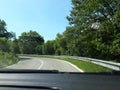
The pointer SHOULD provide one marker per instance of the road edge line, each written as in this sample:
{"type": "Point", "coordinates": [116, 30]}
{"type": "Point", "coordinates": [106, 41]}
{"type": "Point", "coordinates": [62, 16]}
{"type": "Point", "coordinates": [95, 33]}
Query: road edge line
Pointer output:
{"type": "Point", "coordinates": [74, 66]}
{"type": "Point", "coordinates": [41, 65]}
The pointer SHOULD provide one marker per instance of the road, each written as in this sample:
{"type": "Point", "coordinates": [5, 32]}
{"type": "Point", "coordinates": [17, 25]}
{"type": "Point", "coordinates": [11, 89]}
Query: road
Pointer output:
{"type": "Point", "coordinates": [44, 64]}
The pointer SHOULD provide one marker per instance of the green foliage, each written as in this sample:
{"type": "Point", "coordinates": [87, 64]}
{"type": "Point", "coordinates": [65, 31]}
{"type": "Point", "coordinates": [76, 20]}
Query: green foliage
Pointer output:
{"type": "Point", "coordinates": [3, 31]}
{"type": "Point", "coordinates": [4, 45]}
{"type": "Point", "coordinates": [29, 42]}
{"type": "Point", "coordinates": [15, 46]}
{"type": "Point", "coordinates": [60, 45]}
{"type": "Point", "coordinates": [48, 48]}
{"type": "Point", "coordinates": [7, 59]}
{"type": "Point", "coordinates": [93, 32]}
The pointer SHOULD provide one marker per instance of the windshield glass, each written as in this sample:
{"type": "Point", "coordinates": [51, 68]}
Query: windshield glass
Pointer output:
{"type": "Point", "coordinates": [68, 36]}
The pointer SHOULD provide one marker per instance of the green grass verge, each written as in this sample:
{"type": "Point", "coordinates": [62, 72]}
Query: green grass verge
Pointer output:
{"type": "Point", "coordinates": [84, 65]}
{"type": "Point", "coordinates": [7, 59]}
{"type": "Point", "coordinates": [87, 66]}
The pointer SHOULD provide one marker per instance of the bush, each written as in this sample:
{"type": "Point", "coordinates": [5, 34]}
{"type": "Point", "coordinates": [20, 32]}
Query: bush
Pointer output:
{"type": "Point", "coordinates": [7, 59]}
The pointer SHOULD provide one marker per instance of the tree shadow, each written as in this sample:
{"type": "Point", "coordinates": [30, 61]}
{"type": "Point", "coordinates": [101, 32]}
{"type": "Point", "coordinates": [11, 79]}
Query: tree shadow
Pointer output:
{"type": "Point", "coordinates": [26, 58]}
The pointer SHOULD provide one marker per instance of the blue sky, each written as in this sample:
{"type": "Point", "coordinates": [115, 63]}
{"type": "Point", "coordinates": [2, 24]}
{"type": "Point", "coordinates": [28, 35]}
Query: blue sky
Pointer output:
{"type": "Point", "coordinates": [47, 17]}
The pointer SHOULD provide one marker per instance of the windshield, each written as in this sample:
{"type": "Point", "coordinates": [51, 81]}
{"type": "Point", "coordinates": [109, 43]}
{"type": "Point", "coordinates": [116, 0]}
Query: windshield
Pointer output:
{"type": "Point", "coordinates": [68, 36]}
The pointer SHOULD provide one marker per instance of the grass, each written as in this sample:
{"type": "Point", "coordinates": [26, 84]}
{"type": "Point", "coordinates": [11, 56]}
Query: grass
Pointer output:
{"type": "Point", "coordinates": [84, 65]}
{"type": "Point", "coordinates": [87, 66]}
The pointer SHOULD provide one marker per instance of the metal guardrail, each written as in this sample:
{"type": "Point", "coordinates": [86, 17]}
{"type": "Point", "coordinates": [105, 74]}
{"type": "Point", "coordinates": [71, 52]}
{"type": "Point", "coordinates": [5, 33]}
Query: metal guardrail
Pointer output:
{"type": "Point", "coordinates": [107, 64]}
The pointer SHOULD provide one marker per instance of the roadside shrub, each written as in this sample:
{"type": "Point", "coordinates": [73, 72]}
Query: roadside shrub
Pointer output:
{"type": "Point", "coordinates": [7, 59]}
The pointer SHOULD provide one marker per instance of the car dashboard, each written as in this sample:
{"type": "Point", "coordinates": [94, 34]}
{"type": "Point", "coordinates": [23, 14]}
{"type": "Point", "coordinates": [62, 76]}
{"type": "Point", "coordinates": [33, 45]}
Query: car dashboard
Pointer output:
{"type": "Point", "coordinates": [55, 80]}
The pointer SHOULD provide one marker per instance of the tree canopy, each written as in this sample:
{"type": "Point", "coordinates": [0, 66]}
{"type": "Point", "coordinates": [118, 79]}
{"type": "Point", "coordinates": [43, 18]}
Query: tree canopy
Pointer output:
{"type": "Point", "coordinates": [3, 31]}
{"type": "Point", "coordinates": [93, 31]}
{"type": "Point", "coordinates": [28, 41]}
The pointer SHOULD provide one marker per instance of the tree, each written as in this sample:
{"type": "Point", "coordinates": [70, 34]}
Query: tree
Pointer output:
{"type": "Point", "coordinates": [15, 46]}
{"type": "Point", "coordinates": [60, 45]}
{"type": "Point", "coordinates": [4, 45]}
{"type": "Point", "coordinates": [97, 25]}
{"type": "Point", "coordinates": [3, 31]}
{"type": "Point", "coordinates": [48, 48]}
{"type": "Point", "coordinates": [28, 41]}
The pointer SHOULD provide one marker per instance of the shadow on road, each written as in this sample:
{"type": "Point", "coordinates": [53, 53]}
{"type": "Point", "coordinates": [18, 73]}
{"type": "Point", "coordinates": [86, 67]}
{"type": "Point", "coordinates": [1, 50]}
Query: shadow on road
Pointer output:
{"type": "Point", "coordinates": [21, 58]}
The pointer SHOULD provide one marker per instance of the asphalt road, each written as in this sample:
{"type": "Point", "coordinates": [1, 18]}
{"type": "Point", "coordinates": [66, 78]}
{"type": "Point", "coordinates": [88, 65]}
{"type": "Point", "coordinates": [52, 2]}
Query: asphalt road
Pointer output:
{"type": "Point", "coordinates": [44, 64]}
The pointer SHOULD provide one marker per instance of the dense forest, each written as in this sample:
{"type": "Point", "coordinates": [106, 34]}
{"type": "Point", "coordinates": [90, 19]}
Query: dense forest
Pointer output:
{"type": "Point", "coordinates": [93, 31]}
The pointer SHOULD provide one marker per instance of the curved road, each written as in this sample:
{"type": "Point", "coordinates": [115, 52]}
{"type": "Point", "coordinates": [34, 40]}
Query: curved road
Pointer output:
{"type": "Point", "coordinates": [44, 64]}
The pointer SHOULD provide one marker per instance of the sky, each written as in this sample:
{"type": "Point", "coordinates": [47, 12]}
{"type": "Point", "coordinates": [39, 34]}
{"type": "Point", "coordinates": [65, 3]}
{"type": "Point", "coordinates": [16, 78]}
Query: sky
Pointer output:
{"type": "Point", "coordinates": [47, 17]}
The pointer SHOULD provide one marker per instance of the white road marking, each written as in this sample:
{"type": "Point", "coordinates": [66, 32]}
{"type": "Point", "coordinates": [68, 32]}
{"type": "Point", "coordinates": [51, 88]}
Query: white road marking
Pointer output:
{"type": "Point", "coordinates": [74, 66]}
{"type": "Point", "coordinates": [41, 65]}
{"type": "Point", "coordinates": [30, 64]}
